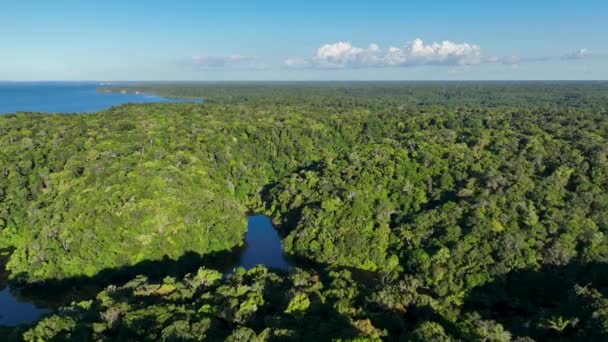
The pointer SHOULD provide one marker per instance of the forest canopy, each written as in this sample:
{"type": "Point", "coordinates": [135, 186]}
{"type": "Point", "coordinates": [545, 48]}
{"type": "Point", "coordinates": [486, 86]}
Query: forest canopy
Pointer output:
{"type": "Point", "coordinates": [426, 211]}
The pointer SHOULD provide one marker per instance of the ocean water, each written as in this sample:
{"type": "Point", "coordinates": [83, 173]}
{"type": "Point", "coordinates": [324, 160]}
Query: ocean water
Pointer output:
{"type": "Point", "coordinates": [64, 97]}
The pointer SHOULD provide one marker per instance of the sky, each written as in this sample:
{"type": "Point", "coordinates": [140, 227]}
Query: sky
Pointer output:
{"type": "Point", "coordinates": [303, 40]}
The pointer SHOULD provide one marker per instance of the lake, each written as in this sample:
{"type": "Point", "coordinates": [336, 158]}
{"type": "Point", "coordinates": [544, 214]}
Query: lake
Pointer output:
{"type": "Point", "coordinates": [262, 247]}
{"type": "Point", "coordinates": [65, 97]}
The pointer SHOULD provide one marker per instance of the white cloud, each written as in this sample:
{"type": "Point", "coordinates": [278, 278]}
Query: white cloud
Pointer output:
{"type": "Point", "coordinates": [345, 55]}
{"type": "Point", "coordinates": [216, 62]}
{"type": "Point", "coordinates": [445, 52]}
{"type": "Point", "coordinates": [512, 62]}
{"type": "Point", "coordinates": [580, 54]}
{"type": "Point", "coordinates": [515, 61]}
{"type": "Point", "coordinates": [493, 59]}
{"type": "Point", "coordinates": [342, 55]}
{"type": "Point", "coordinates": [297, 62]}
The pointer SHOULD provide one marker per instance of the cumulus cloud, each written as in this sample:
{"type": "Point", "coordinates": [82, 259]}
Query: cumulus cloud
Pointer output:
{"type": "Point", "coordinates": [217, 62]}
{"type": "Point", "coordinates": [345, 55]}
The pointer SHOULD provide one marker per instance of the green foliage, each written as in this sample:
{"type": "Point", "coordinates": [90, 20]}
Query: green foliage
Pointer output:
{"type": "Point", "coordinates": [298, 304]}
{"type": "Point", "coordinates": [413, 202]}
{"type": "Point", "coordinates": [244, 306]}
{"type": "Point", "coordinates": [429, 331]}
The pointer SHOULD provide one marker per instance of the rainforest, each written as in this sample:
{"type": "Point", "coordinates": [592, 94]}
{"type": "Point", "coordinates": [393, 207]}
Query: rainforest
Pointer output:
{"type": "Point", "coordinates": [431, 211]}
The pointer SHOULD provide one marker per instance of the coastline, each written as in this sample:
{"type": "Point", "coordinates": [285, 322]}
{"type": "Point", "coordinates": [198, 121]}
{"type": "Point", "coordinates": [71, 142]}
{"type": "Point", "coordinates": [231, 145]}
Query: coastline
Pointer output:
{"type": "Point", "coordinates": [132, 90]}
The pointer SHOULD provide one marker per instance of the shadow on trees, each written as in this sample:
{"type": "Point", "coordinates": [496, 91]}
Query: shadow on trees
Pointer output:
{"type": "Point", "coordinates": [321, 321]}
{"type": "Point", "coordinates": [4, 256]}
{"type": "Point", "coordinates": [526, 301]}
{"type": "Point", "coordinates": [54, 293]}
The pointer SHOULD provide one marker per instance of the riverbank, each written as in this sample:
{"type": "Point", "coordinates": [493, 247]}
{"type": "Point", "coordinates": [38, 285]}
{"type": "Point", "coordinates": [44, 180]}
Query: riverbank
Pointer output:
{"type": "Point", "coordinates": [262, 246]}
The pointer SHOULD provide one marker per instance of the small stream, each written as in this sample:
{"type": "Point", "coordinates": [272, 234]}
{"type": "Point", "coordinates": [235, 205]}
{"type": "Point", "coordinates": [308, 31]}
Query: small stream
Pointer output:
{"type": "Point", "coordinates": [262, 247]}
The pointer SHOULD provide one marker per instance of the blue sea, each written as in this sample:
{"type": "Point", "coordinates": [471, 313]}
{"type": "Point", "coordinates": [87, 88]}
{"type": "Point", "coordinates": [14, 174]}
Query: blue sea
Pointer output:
{"type": "Point", "coordinates": [64, 97]}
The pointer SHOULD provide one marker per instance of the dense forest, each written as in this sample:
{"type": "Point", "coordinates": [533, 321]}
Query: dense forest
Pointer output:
{"type": "Point", "coordinates": [379, 95]}
{"type": "Point", "coordinates": [425, 212]}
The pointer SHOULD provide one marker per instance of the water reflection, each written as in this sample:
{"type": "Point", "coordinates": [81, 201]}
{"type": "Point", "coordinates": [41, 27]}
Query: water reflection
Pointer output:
{"type": "Point", "coordinates": [14, 312]}
{"type": "Point", "coordinates": [262, 245]}
{"type": "Point", "coordinates": [13, 309]}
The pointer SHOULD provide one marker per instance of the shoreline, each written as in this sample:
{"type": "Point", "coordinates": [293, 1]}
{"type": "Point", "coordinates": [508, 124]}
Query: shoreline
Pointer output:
{"type": "Point", "coordinates": [137, 91]}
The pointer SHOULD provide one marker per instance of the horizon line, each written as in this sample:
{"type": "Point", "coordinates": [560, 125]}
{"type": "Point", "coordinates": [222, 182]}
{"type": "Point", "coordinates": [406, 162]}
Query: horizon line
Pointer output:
{"type": "Point", "coordinates": [299, 81]}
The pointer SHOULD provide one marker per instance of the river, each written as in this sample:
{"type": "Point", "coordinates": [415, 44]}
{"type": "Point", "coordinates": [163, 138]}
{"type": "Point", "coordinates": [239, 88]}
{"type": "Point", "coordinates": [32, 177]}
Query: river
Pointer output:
{"type": "Point", "coordinates": [262, 247]}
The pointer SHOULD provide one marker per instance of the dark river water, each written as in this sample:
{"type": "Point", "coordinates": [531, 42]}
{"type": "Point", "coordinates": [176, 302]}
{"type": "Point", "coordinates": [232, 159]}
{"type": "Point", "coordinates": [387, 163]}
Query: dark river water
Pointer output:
{"type": "Point", "coordinates": [262, 247]}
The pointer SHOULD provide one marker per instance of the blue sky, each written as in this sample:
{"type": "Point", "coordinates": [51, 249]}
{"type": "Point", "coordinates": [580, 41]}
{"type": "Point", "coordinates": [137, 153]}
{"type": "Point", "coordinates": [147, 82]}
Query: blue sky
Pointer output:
{"type": "Point", "coordinates": [303, 40]}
